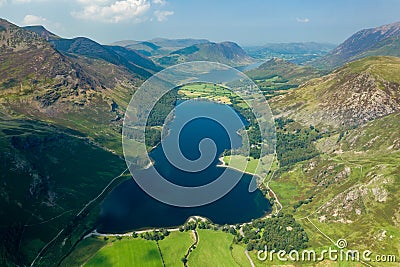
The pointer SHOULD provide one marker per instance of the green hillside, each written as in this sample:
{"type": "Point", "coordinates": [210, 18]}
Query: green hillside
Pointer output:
{"type": "Point", "coordinates": [379, 41]}
{"type": "Point", "coordinates": [359, 92]}
{"type": "Point", "coordinates": [48, 175]}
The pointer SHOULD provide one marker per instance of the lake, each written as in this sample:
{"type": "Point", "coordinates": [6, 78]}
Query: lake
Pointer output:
{"type": "Point", "coordinates": [127, 207]}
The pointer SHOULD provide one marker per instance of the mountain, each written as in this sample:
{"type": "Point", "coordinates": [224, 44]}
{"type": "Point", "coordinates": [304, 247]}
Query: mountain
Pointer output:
{"type": "Point", "coordinates": [145, 48]}
{"type": "Point", "coordinates": [159, 46]}
{"type": "Point", "coordinates": [31, 64]}
{"type": "Point", "coordinates": [226, 52]}
{"type": "Point", "coordinates": [59, 125]}
{"type": "Point", "coordinates": [177, 43]}
{"type": "Point", "coordinates": [388, 47]}
{"type": "Point", "coordinates": [336, 171]}
{"type": "Point", "coordinates": [344, 181]}
{"type": "Point", "coordinates": [43, 32]}
{"type": "Point", "coordinates": [86, 88]}
{"type": "Point", "coordinates": [298, 53]}
{"type": "Point", "coordinates": [380, 41]}
{"type": "Point", "coordinates": [359, 92]}
{"type": "Point", "coordinates": [130, 59]}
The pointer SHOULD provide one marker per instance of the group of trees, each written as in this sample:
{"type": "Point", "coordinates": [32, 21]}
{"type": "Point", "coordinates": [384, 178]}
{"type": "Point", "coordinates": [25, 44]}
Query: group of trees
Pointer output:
{"type": "Point", "coordinates": [162, 108]}
{"type": "Point", "coordinates": [155, 235]}
{"type": "Point", "coordinates": [302, 202]}
{"type": "Point", "coordinates": [191, 225]}
{"type": "Point", "coordinates": [279, 232]}
{"type": "Point", "coordinates": [205, 224]}
{"type": "Point", "coordinates": [295, 145]}
{"type": "Point", "coordinates": [153, 137]}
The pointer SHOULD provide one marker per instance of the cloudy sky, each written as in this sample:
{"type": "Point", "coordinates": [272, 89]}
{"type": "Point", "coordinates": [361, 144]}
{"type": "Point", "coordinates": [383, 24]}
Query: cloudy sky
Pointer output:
{"type": "Point", "coordinates": [246, 22]}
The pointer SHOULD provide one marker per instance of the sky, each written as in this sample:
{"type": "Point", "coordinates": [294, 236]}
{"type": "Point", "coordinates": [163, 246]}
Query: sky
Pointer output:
{"type": "Point", "coordinates": [251, 22]}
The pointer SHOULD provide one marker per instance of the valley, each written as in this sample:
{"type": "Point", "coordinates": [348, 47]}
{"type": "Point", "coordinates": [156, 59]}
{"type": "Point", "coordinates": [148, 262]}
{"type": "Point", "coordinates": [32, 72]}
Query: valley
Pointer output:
{"type": "Point", "coordinates": [335, 174]}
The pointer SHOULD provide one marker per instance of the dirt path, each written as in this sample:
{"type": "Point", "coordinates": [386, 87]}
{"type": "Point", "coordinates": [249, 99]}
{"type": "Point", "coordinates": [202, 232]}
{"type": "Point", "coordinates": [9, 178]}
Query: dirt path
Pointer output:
{"type": "Point", "coordinates": [248, 256]}
{"type": "Point", "coordinates": [190, 249]}
{"type": "Point", "coordinates": [276, 201]}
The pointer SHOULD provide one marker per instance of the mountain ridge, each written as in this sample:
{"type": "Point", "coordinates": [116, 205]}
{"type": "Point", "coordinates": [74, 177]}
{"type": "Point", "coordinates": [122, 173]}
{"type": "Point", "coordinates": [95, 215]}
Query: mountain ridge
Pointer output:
{"type": "Point", "coordinates": [358, 43]}
{"type": "Point", "coordinates": [350, 96]}
{"type": "Point", "coordinates": [226, 52]}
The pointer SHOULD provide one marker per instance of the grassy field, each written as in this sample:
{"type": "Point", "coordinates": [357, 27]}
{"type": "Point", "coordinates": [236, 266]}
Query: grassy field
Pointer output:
{"type": "Point", "coordinates": [83, 252]}
{"type": "Point", "coordinates": [238, 255]}
{"type": "Point", "coordinates": [213, 92]}
{"type": "Point", "coordinates": [127, 252]}
{"type": "Point", "coordinates": [213, 248]}
{"type": "Point", "coordinates": [175, 246]}
{"type": "Point", "coordinates": [236, 161]}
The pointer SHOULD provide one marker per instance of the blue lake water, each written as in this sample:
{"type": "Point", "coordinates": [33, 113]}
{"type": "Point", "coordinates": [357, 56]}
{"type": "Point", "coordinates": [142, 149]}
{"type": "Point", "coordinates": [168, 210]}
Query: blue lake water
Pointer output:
{"type": "Point", "coordinates": [127, 207]}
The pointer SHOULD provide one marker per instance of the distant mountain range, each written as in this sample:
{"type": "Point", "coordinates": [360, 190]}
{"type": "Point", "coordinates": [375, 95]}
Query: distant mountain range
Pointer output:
{"type": "Point", "coordinates": [298, 53]}
{"type": "Point", "coordinates": [128, 58]}
{"type": "Point", "coordinates": [380, 41]}
{"type": "Point", "coordinates": [226, 52]}
{"type": "Point", "coordinates": [159, 46]}
{"type": "Point", "coordinates": [167, 52]}
{"type": "Point", "coordinates": [120, 56]}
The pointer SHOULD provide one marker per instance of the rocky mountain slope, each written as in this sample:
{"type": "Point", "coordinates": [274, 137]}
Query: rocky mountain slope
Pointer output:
{"type": "Point", "coordinates": [86, 90]}
{"type": "Point", "coordinates": [363, 43]}
{"type": "Point", "coordinates": [30, 65]}
{"type": "Point", "coordinates": [349, 188]}
{"type": "Point", "coordinates": [359, 92]}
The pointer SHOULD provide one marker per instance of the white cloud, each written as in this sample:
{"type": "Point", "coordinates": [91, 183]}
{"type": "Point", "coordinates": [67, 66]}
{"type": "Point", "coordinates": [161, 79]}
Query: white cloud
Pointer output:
{"type": "Point", "coordinates": [113, 12]}
{"type": "Point", "coordinates": [162, 15]}
{"type": "Point", "coordinates": [303, 20]}
{"type": "Point", "coordinates": [34, 20]}
{"type": "Point", "coordinates": [3, 2]}
{"type": "Point", "coordinates": [160, 2]}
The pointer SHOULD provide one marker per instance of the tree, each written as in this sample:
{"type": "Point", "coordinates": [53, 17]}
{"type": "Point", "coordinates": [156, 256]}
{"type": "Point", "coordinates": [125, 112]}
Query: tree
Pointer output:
{"type": "Point", "coordinates": [184, 260]}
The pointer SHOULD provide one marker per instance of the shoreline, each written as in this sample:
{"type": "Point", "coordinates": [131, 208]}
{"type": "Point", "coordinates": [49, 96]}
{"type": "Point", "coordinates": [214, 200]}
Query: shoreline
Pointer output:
{"type": "Point", "coordinates": [145, 230]}
{"type": "Point", "coordinates": [221, 164]}
{"type": "Point", "coordinates": [172, 229]}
